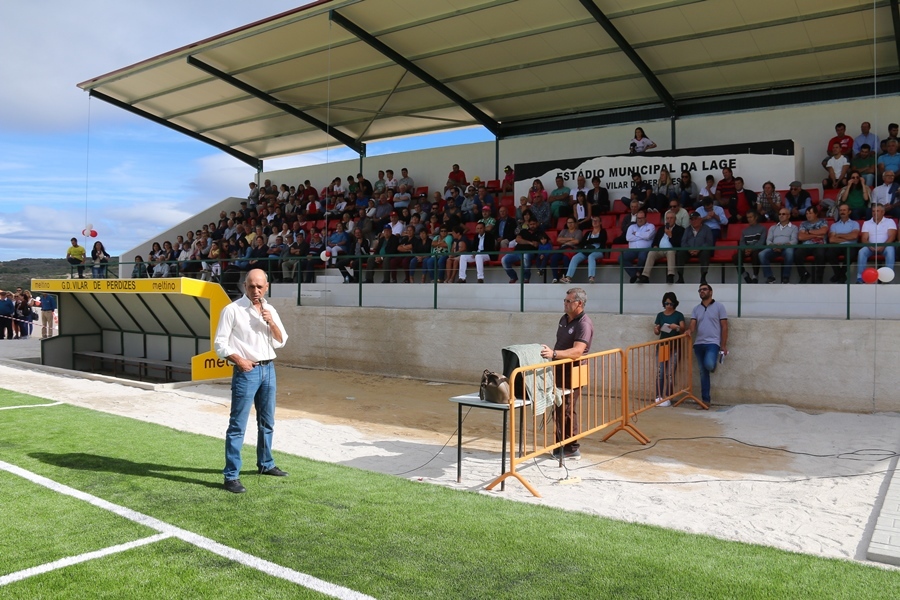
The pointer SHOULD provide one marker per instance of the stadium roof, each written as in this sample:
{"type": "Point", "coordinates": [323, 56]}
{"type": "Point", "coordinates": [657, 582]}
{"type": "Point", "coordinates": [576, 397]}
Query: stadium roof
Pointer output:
{"type": "Point", "coordinates": [353, 71]}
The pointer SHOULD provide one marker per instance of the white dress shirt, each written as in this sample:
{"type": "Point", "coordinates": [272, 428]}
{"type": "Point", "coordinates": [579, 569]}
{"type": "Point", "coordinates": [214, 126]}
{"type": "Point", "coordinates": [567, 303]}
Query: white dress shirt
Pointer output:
{"type": "Point", "coordinates": [242, 331]}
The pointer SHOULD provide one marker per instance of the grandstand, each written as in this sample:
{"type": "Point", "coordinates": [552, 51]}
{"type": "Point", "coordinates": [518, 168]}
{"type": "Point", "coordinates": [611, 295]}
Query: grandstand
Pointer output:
{"type": "Point", "coordinates": [255, 96]}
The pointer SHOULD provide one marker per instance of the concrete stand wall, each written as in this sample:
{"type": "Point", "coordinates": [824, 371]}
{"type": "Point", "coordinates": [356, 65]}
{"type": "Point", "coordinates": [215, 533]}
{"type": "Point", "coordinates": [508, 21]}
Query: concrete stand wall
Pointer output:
{"type": "Point", "coordinates": [813, 364]}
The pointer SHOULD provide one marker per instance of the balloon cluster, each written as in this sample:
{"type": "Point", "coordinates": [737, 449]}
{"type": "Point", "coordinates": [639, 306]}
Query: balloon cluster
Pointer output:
{"type": "Point", "coordinates": [89, 231]}
{"type": "Point", "coordinates": [884, 275]}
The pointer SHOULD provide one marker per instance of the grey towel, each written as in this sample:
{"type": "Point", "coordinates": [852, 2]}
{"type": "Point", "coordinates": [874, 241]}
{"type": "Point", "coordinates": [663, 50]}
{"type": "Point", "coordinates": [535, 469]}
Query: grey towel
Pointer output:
{"type": "Point", "coordinates": [538, 384]}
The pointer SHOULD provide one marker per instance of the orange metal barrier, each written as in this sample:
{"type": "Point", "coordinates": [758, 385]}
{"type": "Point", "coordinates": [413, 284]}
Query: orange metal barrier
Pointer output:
{"type": "Point", "coordinates": [597, 386]}
{"type": "Point", "coordinates": [655, 372]}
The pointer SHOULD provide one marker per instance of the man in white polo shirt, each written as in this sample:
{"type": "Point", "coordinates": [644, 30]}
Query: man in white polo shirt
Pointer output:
{"type": "Point", "coordinates": [878, 231]}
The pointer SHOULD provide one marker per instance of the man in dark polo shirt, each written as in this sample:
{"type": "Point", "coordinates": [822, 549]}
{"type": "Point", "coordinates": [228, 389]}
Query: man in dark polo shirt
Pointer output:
{"type": "Point", "coordinates": [573, 339]}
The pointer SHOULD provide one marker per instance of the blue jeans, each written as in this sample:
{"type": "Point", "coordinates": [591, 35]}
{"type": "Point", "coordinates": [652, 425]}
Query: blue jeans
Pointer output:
{"type": "Point", "coordinates": [592, 259]}
{"type": "Point", "coordinates": [865, 253]}
{"type": "Point", "coordinates": [707, 358]}
{"type": "Point", "coordinates": [438, 260]}
{"type": "Point", "coordinates": [629, 256]}
{"type": "Point", "coordinates": [765, 259]}
{"type": "Point", "coordinates": [512, 259]}
{"type": "Point", "coordinates": [257, 388]}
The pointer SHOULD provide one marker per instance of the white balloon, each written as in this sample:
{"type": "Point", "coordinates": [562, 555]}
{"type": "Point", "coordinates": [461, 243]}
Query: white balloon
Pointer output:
{"type": "Point", "coordinates": [325, 255]}
{"type": "Point", "coordinates": [88, 226]}
{"type": "Point", "coordinates": [885, 274]}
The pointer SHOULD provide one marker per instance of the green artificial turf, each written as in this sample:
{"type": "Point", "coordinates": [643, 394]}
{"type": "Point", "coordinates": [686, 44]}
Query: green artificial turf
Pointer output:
{"type": "Point", "coordinates": [393, 538]}
{"type": "Point", "coordinates": [8, 398]}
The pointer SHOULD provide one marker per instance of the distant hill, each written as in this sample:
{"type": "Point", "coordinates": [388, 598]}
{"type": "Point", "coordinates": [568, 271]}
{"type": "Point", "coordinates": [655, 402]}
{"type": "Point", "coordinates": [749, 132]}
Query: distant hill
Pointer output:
{"type": "Point", "coordinates": [20, 272]}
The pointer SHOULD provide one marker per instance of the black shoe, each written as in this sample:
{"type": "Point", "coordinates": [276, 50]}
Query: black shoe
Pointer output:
{"type": "Point", "coordinates": [570, 454]}
{"type": "Point", "coordinates": [785, 280]}
{"type": "Point", "coordinates": [234, 486]}
{"type": "Point", "coordinates": [770, 280]}
{"type": "Point", "coordinates": [747, 277]}
{"type": "Point", "coordinates": [681, 279]}
{"type": "Point", "coordinates": [643, 279]}
{"type": "Point", "coordinates": [805, 277]}
{"type": "Point", "coordinates": [634, 278]}
{"type": "Point", "coordinates": [670, 279]}
{"type": "Point", "coordinates": [274, 472]}
{"type": "Point", "coordinates": [460, 281]}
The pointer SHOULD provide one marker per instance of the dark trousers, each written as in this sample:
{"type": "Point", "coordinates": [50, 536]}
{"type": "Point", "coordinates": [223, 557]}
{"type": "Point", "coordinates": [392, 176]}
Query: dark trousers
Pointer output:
{"type": "Point", "coordinates": [6, 331]}
{"type": "Point", "coordinates": [818, 266]}
{"type": "Point", "coordinates": [838, 259]}
{"type": "Point", "coordinates": [753, 260]}
{"type": "Point", "coordinates": [682, 257]}
{"type": "Point", "coordinates": [566, 419]}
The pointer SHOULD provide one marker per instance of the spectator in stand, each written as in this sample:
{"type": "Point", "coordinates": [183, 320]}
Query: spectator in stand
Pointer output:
{"type": "Point", "coordinates": [640, 237]}
{"type": "Point", "coordinates": [489, 222]}
{"type": "Point", "coordinates": [75, 255]}
{"type": "Point", "coordinates": [598, 196]}
{"type": "Point", "coordinates": [780, 241]}
{"type": "Point", "coordinates": [892, 135]}
{"type": "Point", "coordinates": [568, 239]}
{"type": "Point", "coordinates": [403, 197]}
{"type": "Point", "coordinates": [436, 263]}
{"type": "Point", "coordinates": [709, 190]}
{"type": "Point", "coordinates": [253, 196]}
{"type": "Point", "coordinates": [99, 260]}
{"type": "Point", "coordinates": [753, 240]}
{"type": "Point", "coordinates": [456, 179]}
{"type": "Point", "coordinates": [811, 236]}
{"type": "Point", "coordinates": [843, 140]}
{"type": "Point", "coordinates": [796, 200]}
{"type": "Point", "coordinates": [627, 220]}
{"type": "Point", "coordinates": [284, 195]}
{"type": "Point", "coordinates": [485, 198]}
{"type": "Point", "coordinates": [524, 205]}
{"type": "Point", "coordinates": [380, 186]}
{"type": "Point", "coordinates": [469, 207]}
{"type": "Point", "coordinates": [865, 137]}
{"type": "Point", "coordinates": [458, 246]}
{"type": "Point", "coordinates": [405, 248]}
{"type": "Point", "coordinates": [713, 216]}
{"type": "Point", "coordinates": [855, 195]}
{"type": "Point", "coordinates": [385, 245]}
{"type": "Point", "coordinates": [669, 323]}
{"type": "Point", "coordinates": [421, 245]}
{"type": "Point", "coordinates": [528, 239]}
{"type": "Point", "coordinates": [541, 210]}
{"type": "Point", "coordinates": [406, 180]}
{"type": "Point", "coordinates": [582, 211]}
{"type": "Point", "coordinates": [167, 260]}
{"type": "Point", "coordinates": [274, 253]}
{"type": "Point", "coordinates": [688, 192]}
{"type": "Point", "coordinates": [768, 203]}
{"type": "Point", "coordinates": [313, 257]}
{"type": "Point", "coordinates": [505, 229]}
{"type": "Point", "coordinates": [139, 271]}
{"type": "Point", "coordinates": [726, 189]}
{"type": "Point", "coordinates": [481, 248]}
{"type": "Point", "coordinates": [696, 243]}
{"type": "Point", "coordinates": [640, 143]}
{"type": "Point", "coordinates": [640, 190]}
{"type": "Point", "coordinates": [887, 195]}
{"type": "Point", "coordinates": [560, 200]}
{"type": "Point", "coordinates": [881, 233]}
{"type": "Point", "coordinates": [664, 190]}
{"type": "Point", "coordinates": [591, 248]}
{"type": "Point", "coordinates": [545, 251]}
{"type": "Point", "coordinates": [259, 255]}
{"type": "Point", "coordinates": [290, 261]}
{"type": "Point", "coordinates": [509, 180]}
{"type": "Point", "coordinates": [742, 201]}
{"type": "Point", "coordinates": [186, 266]}
{"type": "Point", "coordinates": [358, 247]}
{"type": "Point", "coordinates": [843, 231]}
{"type": "Point", "coordinates": [338, 242]}
{"type": "Point", "coordinates": [665, 241]}
{"type": "Point", "coordinates": [682, 217]}
{"type": "Point", "coordinates": [240, 260]}
{"type": "Point", "coordinates": [837, 166]}
{"type": "Point", "coordinates": [890, 161]}
{"type": "Point", "coordinates": [454, 198]}
{"type": "Point", "coordinates": [864, 163]}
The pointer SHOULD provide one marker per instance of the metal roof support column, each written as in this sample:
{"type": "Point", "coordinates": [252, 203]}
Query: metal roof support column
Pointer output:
{"type": "Point", "coordinates": [674, 144]}
{"type": "Point", "coordinates": [630, 52]}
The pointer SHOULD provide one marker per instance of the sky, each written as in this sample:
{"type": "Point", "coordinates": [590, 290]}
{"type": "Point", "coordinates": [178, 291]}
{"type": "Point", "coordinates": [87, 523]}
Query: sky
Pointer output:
{"type": "Point", "coordinates": [67, 161]}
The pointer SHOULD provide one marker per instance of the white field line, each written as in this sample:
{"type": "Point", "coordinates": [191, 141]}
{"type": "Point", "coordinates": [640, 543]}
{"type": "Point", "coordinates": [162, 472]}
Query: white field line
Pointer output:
{"type": "Point", "coordinates": [30, 406]}
{"type": "Point", "coordinates": [74, 560]}
{"type": "Point", "coordinates": [270, 568]}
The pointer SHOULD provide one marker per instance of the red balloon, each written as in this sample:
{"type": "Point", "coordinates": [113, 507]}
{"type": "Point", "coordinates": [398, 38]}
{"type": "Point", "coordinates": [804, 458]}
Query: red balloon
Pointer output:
{"type": "Point", "coordinates": [94, 234]}
{"type": "Point", "coordinates": [870, 275]}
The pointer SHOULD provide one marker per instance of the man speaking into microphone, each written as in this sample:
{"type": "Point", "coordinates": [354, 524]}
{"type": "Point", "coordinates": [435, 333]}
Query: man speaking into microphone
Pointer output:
{"type": "Point", "coordinates": [249, 332]}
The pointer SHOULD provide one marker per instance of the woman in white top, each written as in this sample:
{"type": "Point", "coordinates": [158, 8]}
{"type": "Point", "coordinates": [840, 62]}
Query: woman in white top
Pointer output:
{"type": "Point", "coordinates": [641, 143]}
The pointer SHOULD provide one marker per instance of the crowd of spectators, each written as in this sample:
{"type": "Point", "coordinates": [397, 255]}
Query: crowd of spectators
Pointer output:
{"type": "Point", "coordinates": [409, 235]}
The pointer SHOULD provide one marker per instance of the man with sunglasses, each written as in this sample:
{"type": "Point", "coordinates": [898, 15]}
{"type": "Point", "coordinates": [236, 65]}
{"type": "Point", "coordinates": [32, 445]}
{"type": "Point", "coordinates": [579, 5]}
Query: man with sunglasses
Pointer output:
{"type": "Point", "coordinates": [709, 330]}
